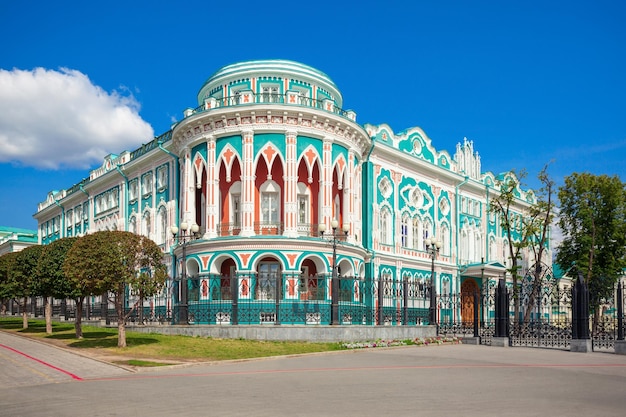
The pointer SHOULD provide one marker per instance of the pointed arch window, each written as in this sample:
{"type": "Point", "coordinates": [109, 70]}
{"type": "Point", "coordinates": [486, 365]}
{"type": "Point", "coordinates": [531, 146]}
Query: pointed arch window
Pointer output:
{"type": "Point", "coordinates": [304, 208]}
{"type": "Point", "coordinates": [418, 242]}
{"type": "Point", "coordinates": [404, 230]}
{"type": "Point", "coordinates": [385, 226]}
{"type": "Point", "coordinates": [445, 240]}
{"type": "Point", "coordinates": [270, 203]}
{"type": "Point", "coordinates": [161, 226]}
{"type": "Point", "coordinates": [132, 224]}
{"type": "Point", "coordinates": [146, 224]}
{"type": "Point", "coordinates": [427, 231]}
{"type": "Point", "coordinates": [235, 204]}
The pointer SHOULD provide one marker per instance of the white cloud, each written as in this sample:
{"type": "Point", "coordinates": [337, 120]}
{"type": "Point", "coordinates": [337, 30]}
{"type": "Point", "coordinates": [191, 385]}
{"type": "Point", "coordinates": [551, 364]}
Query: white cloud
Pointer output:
{"type": "Point", "coordinates": [53, 119]}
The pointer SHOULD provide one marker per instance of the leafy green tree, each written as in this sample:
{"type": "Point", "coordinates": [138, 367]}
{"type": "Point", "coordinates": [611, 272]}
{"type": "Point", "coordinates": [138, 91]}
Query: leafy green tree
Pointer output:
{"type": "Point", "coordinates": [6, 264]}
{"type": "Point", "coordinates": [86, 266]}
{"type": "Point", "coordinates": [22, 277]}
{"type": "Point", "coordinates": [51, 279]}
{"type": "Point", "coordinates": [593, 221]}
{"type": "Point", "coordinates": [112, 261]}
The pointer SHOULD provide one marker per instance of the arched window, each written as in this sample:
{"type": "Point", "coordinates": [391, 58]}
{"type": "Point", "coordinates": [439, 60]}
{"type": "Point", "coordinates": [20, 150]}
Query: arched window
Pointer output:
{"type": "Point", "coordinates": [146, 224]}
{"type": "Point", "coordinates": [132, 224]}
{"type": "Point", "coordinates": [445, 286]}
{"type": "Point", "coordinates": [463, 246]}
{"type": "Point", "coordinates": [161, 226]}
{"type": "Point", "coordinates": [269, 210]}
{"type": "Point", "coordinates": [235, 205]}
{"type": "Point", "coordinates": [418, 241]}
{"type": "Point", "coordinates": [445, 240]}
{"type": "Point", "coordinates": [427, 232]}
{"type": "Point", "coordinates": [404, 230]}
{"type": "Point", "coordinates": [270, 204]}
{"type": "Point", "coordinates": [478, 246]}
{"type": "Point", "coordinates": [304, 208]}
{"type": "Point", "coordinates": [385, 226]}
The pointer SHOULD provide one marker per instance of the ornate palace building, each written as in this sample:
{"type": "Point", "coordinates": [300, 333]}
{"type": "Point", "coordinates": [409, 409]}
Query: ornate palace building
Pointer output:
{"type": "Point", "coordinates": [269, 183]}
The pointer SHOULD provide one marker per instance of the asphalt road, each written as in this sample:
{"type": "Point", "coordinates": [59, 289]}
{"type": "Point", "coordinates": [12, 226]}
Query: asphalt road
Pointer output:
{"type": "Point", "coordinates": [40, 380]}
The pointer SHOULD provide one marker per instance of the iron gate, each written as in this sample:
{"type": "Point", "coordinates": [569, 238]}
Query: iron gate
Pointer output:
{"type": "Point", "coordinates": [539, 314]}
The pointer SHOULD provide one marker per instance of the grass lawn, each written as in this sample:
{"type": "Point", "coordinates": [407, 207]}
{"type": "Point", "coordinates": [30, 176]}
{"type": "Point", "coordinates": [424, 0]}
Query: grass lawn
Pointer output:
{"type": "Point", "coordinates": [150, 349]}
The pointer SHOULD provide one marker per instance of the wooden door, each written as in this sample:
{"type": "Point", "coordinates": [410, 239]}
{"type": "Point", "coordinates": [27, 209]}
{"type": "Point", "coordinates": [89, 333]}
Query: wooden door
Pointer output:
{"type": "Point", "coordinates": [468, 289]}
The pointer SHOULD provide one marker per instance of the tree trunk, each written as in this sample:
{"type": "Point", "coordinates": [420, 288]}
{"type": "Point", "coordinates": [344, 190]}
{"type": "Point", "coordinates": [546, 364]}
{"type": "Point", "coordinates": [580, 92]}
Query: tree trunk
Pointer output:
{"type": "Point", "coordinates": [25, 314]}
{"type": "Point", "coordinates": [121, 319]}
{"type": "Point", "coordinates": [516, 300]}
{"type": "Point", "coordinates": [121, 334]}
{"type": "Point", "coordinates": [79, 317]}
{"type": "Point", "coordinates": [48, 313]}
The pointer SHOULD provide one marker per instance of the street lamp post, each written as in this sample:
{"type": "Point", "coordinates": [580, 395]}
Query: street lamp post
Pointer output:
{"type": "Point", "coordinates": [186, 235]}
{"type": "Point", "coordinates": [432, 247]}
{"type": "Point", "coordinates": [334, 303]}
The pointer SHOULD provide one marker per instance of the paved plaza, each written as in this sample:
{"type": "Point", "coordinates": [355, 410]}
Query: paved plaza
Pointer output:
{"type": "Point", "coordinates": [41, 380]}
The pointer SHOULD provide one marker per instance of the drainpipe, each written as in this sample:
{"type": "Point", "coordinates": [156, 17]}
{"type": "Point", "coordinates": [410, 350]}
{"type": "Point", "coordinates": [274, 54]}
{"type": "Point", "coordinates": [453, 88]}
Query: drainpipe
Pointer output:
{"type": "Point", "coordinates": [176, 206]}
{"type": "Point", "coordinates": [117, 167]}
{"type": "Point", "coordinates": [364, 208]}
{"type": "Point", "coordinates": [458, 224]}
{"type": "Point", "coordinates": [487, 224]}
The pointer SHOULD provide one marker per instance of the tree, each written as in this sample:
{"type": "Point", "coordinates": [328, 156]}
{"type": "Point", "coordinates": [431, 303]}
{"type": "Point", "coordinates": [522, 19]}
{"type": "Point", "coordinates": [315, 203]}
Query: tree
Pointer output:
{"type": "Point", "coordinates": [51, 279]}
{"type": "Point", "coordinates": [593, 221]}
{"type": "Point", "coordinates": [22, 277]}
{"type": "Point", "coordinates": [525, 228]}
{"type": "Point", "coordinates": [85, 268]}
{"type": "Point", "coordinates": [505, 206]}
{"type": "Point", "coordinates": [112, 261]}
{"type": "Point", "coordinates": [538, 222]}
{"type": "Point", "coordinates": [6, 264]}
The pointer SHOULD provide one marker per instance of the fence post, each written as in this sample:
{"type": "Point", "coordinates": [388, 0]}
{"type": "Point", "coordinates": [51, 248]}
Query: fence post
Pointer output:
{"type": "Point", "coordinates": [405, 301]}
{"type": "Point", "coordinates": [580, 317]}
{"type": "Point", "coordinates": [502, 315]}
{"type": "Point", "coordinates": [620, 344]}
{"type": "Point", "coordinates": [278, 292]}
{"type": "Point", "coordinates": [380, 301]}
{"type": "Point", "coordinates": [234, 295]}
{"type": "Point", "coordinates": [620, 311]}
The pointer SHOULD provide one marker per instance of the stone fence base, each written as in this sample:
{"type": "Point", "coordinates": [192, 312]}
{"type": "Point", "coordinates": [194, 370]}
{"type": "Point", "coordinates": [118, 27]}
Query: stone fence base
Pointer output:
{"type": "Point", "coordinates": [293, 332]}
{"type": "Point", "coordinates": [581, 345]}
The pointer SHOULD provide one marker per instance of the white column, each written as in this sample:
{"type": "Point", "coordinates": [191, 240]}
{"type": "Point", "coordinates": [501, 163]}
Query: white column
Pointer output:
{"type": "Point", "coordinates": [290, 192]}
{"type": "Point", "coordinates": [212, 209]}
{"type": "Point", "coordinates": [247, 186]}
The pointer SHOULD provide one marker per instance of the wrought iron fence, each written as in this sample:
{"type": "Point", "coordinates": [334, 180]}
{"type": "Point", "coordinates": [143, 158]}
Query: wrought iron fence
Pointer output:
{"type": "Point", "coordinates": [301, 299]}
{"type": "Point", "coordinates": [540, 320]}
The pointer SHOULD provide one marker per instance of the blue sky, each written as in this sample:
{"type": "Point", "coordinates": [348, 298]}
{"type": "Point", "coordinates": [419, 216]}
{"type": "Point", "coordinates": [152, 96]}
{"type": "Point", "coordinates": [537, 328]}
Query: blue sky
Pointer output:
{"type": "Point", "coordinates": [530, 82]}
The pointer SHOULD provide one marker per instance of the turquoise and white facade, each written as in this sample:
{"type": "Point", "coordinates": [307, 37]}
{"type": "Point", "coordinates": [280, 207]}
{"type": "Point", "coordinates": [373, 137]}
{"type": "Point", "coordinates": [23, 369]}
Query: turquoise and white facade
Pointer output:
{"type": "Point", "coordinates": [266, 156]}
{"type": "Point", "coordinates": [13, 239]}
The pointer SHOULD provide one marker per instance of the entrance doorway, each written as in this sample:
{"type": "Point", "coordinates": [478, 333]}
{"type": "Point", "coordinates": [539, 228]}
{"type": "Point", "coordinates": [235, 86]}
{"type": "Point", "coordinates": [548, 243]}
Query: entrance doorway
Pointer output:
{"type": "Point", "coordinates": [468, 289]}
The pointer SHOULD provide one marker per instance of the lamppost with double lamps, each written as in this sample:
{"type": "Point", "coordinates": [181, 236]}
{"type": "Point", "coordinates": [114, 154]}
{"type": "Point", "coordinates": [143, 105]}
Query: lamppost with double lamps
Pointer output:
{"type": "Point", "coordinates": [186, 235]}
{"type": "Point", "coordinates": [334, 297]}
{"type": "Point", "coordinates": [432, 246]}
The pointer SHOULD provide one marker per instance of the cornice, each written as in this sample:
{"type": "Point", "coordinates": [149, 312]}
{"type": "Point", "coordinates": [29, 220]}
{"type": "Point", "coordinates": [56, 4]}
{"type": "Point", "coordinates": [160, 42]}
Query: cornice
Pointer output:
{"type": "Point", "coordinates": [261, 118]}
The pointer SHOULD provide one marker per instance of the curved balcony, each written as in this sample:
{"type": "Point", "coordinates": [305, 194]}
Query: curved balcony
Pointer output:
{"type": "Point", "coordinates": [248, 98]}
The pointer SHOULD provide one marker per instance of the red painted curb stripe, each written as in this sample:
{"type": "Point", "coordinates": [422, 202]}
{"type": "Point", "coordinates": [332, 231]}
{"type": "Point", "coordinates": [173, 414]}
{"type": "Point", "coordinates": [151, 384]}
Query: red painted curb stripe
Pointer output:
{"type": "Point", "coordinates": [76, 377]}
